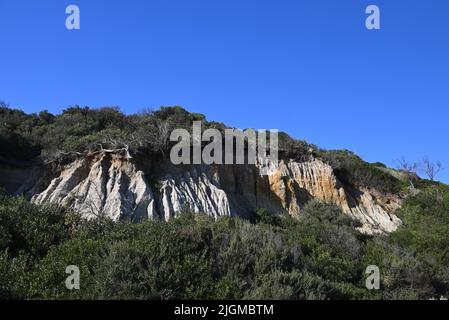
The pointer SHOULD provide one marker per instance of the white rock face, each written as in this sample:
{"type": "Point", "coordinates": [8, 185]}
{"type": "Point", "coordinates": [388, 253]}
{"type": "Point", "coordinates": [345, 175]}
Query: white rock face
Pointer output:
{"type": "Point", "coordinates": [104, 186]}
{"type": "Point", "coordinates": [112, 186]}
{"type": "Point", "coordinates": [194, 190]}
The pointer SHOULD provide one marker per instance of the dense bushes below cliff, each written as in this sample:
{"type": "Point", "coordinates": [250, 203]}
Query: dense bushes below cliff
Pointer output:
{"type": "Point", "coordinates": [319, 256]}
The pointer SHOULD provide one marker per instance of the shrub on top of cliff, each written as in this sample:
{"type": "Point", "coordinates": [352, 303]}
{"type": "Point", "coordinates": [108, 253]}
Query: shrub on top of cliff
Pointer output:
{"type": "Point", "coordinates": [76, 129]}
{"type": "Point", "coordinates": [295, 149]}
{"type": "Point", "coordinates": [352, 170]}
{"type": "Point", "coordinates": [179, 116]}
{"type": "Point", "coordinates": [52, 133]}
{"type": "Point", "coordinates": [80, 129]}
{"type": "Point", "coordinates": [79, 121]}
{"type": "Point", "coordinates": [14, 127]}
{"type": "Point", "coordinates": [14, 119]}
{"type": "Point", "coordinates": [15, 147]}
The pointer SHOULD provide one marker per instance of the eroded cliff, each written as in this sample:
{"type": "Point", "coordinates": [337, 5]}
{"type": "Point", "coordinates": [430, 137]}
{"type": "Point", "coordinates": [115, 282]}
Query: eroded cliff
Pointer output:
{"type": "Point", "coordinates": [111, 185]}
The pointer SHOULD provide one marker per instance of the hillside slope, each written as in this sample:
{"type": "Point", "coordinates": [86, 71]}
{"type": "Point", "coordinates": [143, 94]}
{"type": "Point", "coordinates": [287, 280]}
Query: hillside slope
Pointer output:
{"type": "Point", "coordinates": [61, 159]}
{"type": "Point", "coordinates": [296, 239]}
{"type": "Point", "coordinates": [113, 186]}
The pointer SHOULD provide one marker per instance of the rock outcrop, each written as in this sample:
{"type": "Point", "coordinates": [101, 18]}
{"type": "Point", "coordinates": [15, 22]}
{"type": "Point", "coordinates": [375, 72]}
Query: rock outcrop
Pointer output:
{"type": "Point", "coordinates": [296, 183]}
{"type": "Point", "coordinates": [104, 185]}
{"type": "Point", "coordinates": [110, 185]}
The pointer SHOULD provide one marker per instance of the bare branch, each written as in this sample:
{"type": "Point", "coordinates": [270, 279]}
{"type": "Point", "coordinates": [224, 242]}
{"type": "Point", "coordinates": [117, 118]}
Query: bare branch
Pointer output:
{"type": "Point", "coordinates": [431, 169]}
{"type": "Point", "coordinates": [410, 169]}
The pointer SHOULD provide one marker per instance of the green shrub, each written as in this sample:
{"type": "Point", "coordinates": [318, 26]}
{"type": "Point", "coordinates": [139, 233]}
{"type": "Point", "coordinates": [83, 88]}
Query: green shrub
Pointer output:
{"type": "Point", "coordinates": [319, 256]}
{"type": "Point", "coordinates": [352, 170]}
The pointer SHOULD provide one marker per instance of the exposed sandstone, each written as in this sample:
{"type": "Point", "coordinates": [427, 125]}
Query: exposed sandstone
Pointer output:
{"type": "Point", "coordinates": [116, 187]}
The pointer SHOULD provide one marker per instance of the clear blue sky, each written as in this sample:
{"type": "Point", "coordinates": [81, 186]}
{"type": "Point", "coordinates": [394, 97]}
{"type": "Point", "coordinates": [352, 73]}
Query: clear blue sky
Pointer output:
{"type": "Point", "coordinates": [308, 67]}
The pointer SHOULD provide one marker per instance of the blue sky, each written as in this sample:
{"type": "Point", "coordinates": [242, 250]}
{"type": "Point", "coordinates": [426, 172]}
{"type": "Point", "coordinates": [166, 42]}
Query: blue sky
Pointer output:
{"type": "Point", "coordinates": [307, 67]}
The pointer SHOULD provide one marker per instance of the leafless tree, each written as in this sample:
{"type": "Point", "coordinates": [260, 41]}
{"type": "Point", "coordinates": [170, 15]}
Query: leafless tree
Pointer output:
{"type": "Point", "coordinates": [410, 169]}
{"type": "Point", "coordinates": [152, 133]}
{"type": "Point", "coordinates": [146, 111]}
{"type": "Point", "coordinates": [122, 149]}
{"type": "Point", "coordinates": [159, 135]}
{"type": "Point", "coordinates": [60, 156]}
{"type": "Point", "coordinates": [431, 169]}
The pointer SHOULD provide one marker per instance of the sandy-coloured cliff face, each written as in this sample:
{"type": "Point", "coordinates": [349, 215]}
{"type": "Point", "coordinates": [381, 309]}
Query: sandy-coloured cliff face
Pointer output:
{"type": "Point", "coordinates": [120, 188]}
{"type": "Point", "coordinates": [296, 182]}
